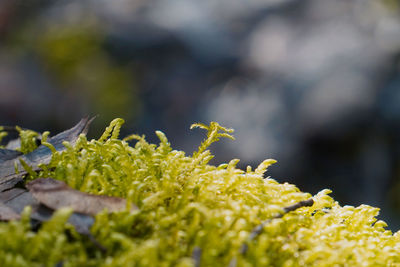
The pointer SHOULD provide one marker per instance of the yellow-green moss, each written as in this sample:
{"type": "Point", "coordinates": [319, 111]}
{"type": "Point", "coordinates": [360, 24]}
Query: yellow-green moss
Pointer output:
{"type": "Point", "coordinates": [187, 204]}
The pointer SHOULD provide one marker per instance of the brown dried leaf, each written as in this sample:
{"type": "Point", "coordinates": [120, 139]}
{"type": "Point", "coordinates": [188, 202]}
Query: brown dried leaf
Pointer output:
{"type": "Point", "coordinates": [7, 214]}
{"type": "Point", "coordinates": [56, 194]}
{"type": "Point", "coordinates": [13, 201]}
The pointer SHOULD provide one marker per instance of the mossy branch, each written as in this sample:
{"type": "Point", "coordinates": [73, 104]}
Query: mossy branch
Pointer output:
{"type": "Point", "coordinates": [192, 213]}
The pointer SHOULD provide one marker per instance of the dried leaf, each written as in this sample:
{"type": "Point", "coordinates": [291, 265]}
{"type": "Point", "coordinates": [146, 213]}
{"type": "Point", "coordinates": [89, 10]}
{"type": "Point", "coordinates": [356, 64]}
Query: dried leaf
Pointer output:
{"type": "Point", "coordinates": [8, 154]}
{"type": "Point", "coordinates": [13, 201]}
{"type": "Point", "coordinates": [56, 194]}
{"type": "Point", "coordinates": [8, 195]}
{"type": "Point", "coordinates": [17, 199]}
{"type": "Point", "coordinates": [47, 195]}
{"type": "Point", "coordinates": [7, 214]}
{"type": "Point", "coordinates": [42, 154]}
{"type": "Point", "coordinates": [14, 144]}
{"type": "Point", "coordinates": [81, 222]}
{"type": "Point", "coordinates": [9, 182]}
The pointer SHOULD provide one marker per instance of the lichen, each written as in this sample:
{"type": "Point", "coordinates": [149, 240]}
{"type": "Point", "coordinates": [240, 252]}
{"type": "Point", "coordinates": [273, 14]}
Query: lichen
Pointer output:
{"type": "Point", "coordinates": [189, 207]}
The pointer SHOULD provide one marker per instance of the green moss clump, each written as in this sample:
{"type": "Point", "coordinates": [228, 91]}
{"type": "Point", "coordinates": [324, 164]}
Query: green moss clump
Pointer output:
{"type": "Point", "coordinates": [188, 207]}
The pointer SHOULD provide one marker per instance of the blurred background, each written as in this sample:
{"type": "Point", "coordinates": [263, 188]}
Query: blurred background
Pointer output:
{"type": "Point", "coordinates": [314, 84]}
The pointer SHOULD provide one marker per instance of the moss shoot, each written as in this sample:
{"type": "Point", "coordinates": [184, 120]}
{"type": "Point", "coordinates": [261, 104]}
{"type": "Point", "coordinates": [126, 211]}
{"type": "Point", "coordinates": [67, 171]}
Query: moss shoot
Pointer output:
{"type": "Point", "coordinates": [191, 213]}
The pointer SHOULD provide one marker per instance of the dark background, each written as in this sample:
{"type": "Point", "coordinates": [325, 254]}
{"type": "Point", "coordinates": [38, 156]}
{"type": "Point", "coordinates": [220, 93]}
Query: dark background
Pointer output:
{"type": "Point", "coordinates": [314, 84]}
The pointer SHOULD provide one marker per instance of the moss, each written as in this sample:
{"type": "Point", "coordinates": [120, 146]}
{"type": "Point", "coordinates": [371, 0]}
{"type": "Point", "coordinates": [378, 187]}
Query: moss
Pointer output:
{"type": "Point", "coordinates": [192, 213]}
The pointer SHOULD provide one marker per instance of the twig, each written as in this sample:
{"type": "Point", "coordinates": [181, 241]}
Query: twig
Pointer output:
{"type": "Point", "coordinates": [196, 256]}
{"type": "Point", "coordinates": [304, 203]}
